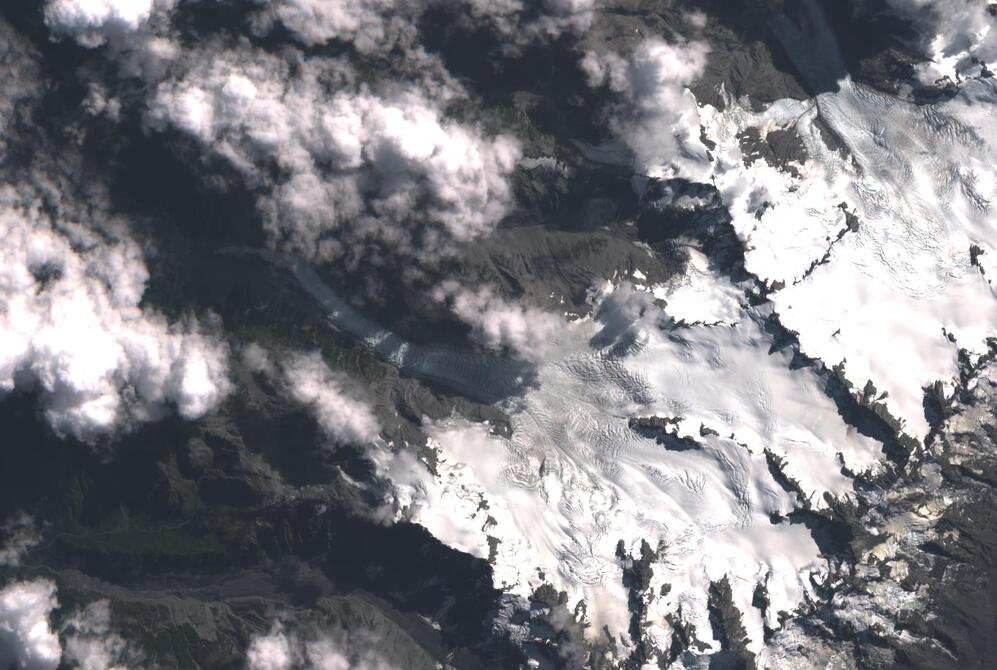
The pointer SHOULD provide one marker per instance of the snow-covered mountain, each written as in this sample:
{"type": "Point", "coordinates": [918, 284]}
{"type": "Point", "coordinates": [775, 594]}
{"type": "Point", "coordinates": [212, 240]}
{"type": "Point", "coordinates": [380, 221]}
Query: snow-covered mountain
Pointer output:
{"type": "Point", "coordinates": [457, 334]}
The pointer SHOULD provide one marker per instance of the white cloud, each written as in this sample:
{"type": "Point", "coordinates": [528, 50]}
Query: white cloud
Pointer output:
{"type": "Point", "coordinates": [94, 22]}
{"type": "Point", "coordinates": [270, 652]}
{"type": "Point", "coordinates": [497, 323]}
{"type": "Point", "coordinates": [697, 18]}
{"type": "Point", "coordinates": [364, 170]}
{"type": "Point", "coordinates": [659, 119]}
{"type": "Point", "coordinates": [18, 535]}
{"type": "Point", "coordinates": [356, 167]}
{"type": "Point", "coordinates": [71, 325]}
{"type": "Point", "coordinates": [370, 25]}
{"type": "Point", "coordinates": [257, 359]}
{"type": "Point", "coordinates": [27, 641]}
{"type": "Point", "coordinates": [961, 30]}
{"type": "Point", "coordinates": [331, 398]}
{"type": "Point", "coordinates": [378, 26]}
{"type": "Point", "coordinates": [332, 650]}
{"type": "Point", "coordinates": [523, 22]}
{"type": "Point", "coordinates": [324, 654]}
{"type": "Point", "coordinates": [91, 644]}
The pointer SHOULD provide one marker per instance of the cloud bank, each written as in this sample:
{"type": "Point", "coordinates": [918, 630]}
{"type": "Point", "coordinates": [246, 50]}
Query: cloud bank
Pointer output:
{"type": "Point", "coordinates": [72, 328]}
{"type": "Point", "coordinates": [95, 22]}
{"type": "Point", "coordinates": [378, 26]}
{"type": "Point", "coordinates": [27, 641]}
{"type": "Point", "coordinates": [658, 118]}
{"type": "Point", "coordinates": [371, 26]}
{"type": "Point", "coordinates": [358, 169]}
{"type": "Point", "coordinates": [344, 166]}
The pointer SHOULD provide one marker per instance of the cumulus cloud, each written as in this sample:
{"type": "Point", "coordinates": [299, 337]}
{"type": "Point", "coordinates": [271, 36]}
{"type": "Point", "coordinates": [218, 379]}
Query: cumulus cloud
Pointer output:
{"type": "Point", "coordinates": [345, 167]}
{"type": "Point", "coordinates": [499, 324]}
{"type": "Point", "coordinates": [356, 167]}
{"type": "Point", "coordinates": [336, 650]}
{"type": "Point", "coordinates": [257, 359]}
{"type": "Point", "coordinates": [95, 22]}
{"type": "Point", "coordinates": [331, 398]}
{"type": "Point", "coordinates": [27, 641]}
{"type": "Point", "coordinates": [18, 535]}
{"type": "Point", "coordinates": [91, 644]}
{"type": "Point", "coordinates": [370, 25]}
{"type": "Point", "coordinates": [659, 118]}
{"type": "Point", "coordinates": [72, 327]}
{"type": "Point", "coordinates": [523, 22]}
{"type": "Point", "coordinates": [363, 170]}
{"type": "Point", "coordinates": [270, 652]}
{"type": "Point", "coordinates": [378, 26]}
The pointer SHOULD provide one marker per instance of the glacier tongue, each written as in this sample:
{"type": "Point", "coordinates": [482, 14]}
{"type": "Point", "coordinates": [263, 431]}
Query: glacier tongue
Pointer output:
{"type": "Point", "coordinates": [553, 502]}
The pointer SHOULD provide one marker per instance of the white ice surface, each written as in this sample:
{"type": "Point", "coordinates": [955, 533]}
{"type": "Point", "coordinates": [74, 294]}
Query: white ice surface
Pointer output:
{"type": "Point", "coordinates": [920, 180]}
{"type": "Point", "coordinates": [573, 479]}
{"type": "Point", "coordinates": [698, 295]}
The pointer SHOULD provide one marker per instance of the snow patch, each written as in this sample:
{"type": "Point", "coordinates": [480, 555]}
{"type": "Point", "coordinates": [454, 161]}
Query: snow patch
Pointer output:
{"type": "Point", "coordinates": [698, 295]}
